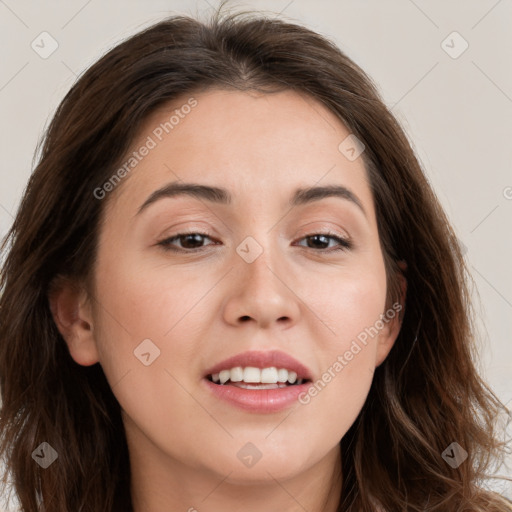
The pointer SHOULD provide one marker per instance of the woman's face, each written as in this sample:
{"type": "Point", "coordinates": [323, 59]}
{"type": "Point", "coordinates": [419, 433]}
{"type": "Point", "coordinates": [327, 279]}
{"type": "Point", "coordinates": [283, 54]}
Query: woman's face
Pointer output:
{"type": "Point", "coordinates": [258, 281]}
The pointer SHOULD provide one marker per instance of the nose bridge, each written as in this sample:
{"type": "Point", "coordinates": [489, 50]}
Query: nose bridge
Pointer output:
{"type": "Point", "coordinates": [259, 291]}
{"type": "Point", "coordinates": [257, 266]}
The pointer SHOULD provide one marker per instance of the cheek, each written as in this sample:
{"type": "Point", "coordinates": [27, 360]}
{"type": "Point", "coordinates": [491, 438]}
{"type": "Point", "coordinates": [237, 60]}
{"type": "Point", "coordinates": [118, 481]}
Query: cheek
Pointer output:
{"type": "Point", "coordinates": [353, 310]}
{"type": "Point", "coordinates": [156, 316]}
{"type": "Point", "coordinates": [138, 302]}
{"type": "Point", "coordinates": [144, 329]}
{"type": "Point", "coordinates": [350, 306]}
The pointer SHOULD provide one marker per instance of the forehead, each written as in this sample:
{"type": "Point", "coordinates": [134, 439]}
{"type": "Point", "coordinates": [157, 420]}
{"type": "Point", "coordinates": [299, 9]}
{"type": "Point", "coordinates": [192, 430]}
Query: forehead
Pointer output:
{"type": "Point", "coordinates": [260, 146]}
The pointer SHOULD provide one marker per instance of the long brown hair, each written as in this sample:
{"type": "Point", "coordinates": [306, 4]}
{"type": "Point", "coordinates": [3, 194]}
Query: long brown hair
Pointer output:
{"type": "Point", "coordinates": [425, 396]}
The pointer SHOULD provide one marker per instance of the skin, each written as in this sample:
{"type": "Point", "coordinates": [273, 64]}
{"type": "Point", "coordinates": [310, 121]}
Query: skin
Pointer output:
{"type": "Point", "coordinates": [299, 297]}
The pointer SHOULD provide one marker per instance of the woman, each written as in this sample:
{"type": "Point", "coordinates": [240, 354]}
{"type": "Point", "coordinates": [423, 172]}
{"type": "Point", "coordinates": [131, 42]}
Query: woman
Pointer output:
{"type": "Point", "coordinates": [230, 282]}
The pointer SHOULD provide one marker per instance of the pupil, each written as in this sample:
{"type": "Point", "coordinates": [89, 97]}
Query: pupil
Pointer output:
{"type": "Point", "coordinates": [197, 237]}
{"type": "Point", "coordinates": [317, 237]}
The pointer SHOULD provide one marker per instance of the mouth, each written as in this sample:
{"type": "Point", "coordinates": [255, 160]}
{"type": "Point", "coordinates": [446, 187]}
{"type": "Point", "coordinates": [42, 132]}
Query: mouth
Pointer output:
{"type": "Point", "coordinates": [250, 377]}
{"type": "Point", "coordinates": [259, 382]}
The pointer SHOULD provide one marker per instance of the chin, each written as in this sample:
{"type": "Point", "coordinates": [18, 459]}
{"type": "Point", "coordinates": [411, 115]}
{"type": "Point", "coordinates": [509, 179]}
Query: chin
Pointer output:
{"type": "Point", "coordinates": [248, 465]}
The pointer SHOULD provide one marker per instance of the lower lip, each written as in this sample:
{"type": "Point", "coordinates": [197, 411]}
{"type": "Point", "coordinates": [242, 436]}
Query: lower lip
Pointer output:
{"type": "Point", "coordinates": [258, 400]}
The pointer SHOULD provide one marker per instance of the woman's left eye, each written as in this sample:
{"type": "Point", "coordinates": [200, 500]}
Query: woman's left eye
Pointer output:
{"type": "Point", "coordinates": [323, 238]}
{"type": "Point", "coordinates": [192, 242]}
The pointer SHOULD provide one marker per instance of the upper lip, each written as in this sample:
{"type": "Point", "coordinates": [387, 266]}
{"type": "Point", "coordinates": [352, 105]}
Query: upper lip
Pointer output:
{"type": "Point", "coordinates": [260, 359]}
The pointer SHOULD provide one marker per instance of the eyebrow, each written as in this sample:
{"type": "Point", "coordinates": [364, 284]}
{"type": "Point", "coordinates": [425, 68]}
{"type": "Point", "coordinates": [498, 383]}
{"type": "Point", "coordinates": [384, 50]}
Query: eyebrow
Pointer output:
{"type": "Point", "coordinates": [301, 196]}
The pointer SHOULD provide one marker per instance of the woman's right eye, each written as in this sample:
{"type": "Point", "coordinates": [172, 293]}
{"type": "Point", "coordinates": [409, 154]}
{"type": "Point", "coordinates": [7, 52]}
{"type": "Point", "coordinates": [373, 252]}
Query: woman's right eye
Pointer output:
{"type": "Point", "coordinates": [192, 238]}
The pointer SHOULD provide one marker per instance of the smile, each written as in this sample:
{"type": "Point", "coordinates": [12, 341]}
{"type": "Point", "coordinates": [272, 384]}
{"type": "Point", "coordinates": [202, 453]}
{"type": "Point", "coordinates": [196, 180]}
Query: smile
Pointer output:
{"type": "Point", "coordinates": [264, 378]}
{"type": "Point", "coordinates": [259, 382]}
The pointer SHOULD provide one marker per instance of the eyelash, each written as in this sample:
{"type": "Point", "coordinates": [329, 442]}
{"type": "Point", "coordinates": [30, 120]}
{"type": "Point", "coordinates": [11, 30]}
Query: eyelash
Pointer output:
{"type": "Point", "coordinates": [344, 244]}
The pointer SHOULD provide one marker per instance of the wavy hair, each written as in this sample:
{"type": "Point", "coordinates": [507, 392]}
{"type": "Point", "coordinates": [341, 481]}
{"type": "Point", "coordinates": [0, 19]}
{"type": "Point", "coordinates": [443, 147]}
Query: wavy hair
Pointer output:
{"type": "Point", "coordinates": [427, 393]}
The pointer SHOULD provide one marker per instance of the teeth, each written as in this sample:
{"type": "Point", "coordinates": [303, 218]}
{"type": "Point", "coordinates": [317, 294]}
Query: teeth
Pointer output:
{"type": "Point", "coordinates": [224, 376]}
{"type": "Point", "coordinates": [252, 375]}
{"type": "Point", "coordinates": [269, 375]}
{"type": "Point", "coordinates": [282, 375]}
{"type": "Point", "coordinates": [237, 374]}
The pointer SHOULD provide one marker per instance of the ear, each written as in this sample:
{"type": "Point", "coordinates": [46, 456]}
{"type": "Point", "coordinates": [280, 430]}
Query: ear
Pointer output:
{"type": "Point", "coordinates": [392, 319]}
{"type": "Point", "coordinates": [72, 313]}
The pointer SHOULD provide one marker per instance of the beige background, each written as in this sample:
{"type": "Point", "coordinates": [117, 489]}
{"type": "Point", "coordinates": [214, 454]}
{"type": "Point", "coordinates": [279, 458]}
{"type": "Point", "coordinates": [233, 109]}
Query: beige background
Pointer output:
{"type": "Point", "coordinates": [457, 111]}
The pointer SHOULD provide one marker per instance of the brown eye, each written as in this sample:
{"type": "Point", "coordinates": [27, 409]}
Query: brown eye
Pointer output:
{"type": "Point", "coordinates": [189, 242]}
{"type": "Point", "coordinates": [320, 241]}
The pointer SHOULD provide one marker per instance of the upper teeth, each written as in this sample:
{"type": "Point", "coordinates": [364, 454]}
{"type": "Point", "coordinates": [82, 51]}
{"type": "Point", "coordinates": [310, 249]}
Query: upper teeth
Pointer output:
{"type": "Point", "coordinates": [270, 375]}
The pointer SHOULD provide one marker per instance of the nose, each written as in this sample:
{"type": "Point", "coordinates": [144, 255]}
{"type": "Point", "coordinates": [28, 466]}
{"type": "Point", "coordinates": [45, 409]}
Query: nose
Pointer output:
{"type": "Point", "coordinates": [262, 293]}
